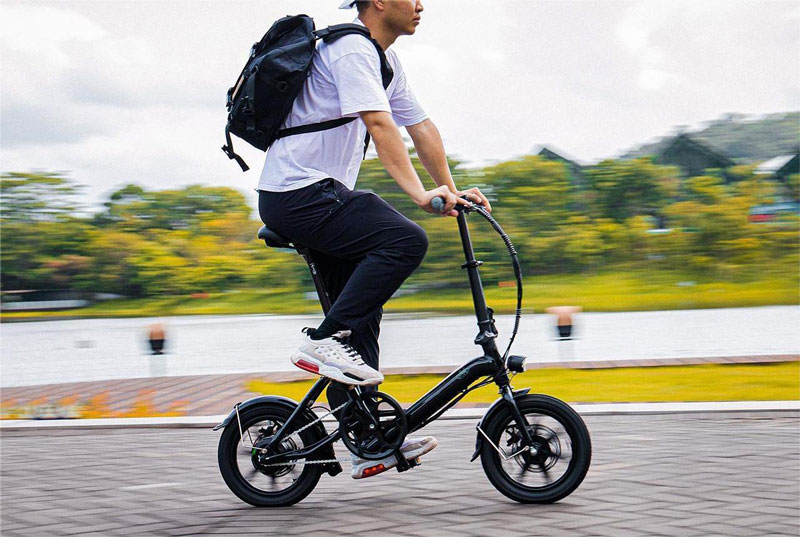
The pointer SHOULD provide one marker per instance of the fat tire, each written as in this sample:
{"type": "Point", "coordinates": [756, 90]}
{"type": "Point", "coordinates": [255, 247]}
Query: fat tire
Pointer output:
{"type": "Point", "coordinates": [226, 454]}
{"type": "Point", "coordinates": [579, 463]}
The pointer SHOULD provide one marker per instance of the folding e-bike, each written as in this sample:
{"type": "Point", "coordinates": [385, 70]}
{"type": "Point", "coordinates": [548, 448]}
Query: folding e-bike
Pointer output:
{"type": "Point", "coordinates": [534, 448]}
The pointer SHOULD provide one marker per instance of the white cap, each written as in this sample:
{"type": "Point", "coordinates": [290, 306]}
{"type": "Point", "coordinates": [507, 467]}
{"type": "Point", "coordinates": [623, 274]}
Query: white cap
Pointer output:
{"type": "Point", "coordinates": [347, 4]}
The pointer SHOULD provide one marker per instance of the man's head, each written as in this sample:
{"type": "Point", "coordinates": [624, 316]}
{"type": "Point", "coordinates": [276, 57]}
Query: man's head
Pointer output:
{"type": "Point", "coordinates": [400, 17]}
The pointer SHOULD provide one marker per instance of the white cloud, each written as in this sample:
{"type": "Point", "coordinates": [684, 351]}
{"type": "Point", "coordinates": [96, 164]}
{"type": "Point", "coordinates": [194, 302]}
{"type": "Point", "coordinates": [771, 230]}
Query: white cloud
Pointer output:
{"type": "Point", "coordinates": [23, 26]}
{"type": "Point", "coordinates": [654, 79]}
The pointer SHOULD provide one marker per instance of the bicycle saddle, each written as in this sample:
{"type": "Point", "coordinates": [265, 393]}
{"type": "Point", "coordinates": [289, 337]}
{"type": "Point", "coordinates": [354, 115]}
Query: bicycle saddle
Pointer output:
{"type": "Point", "coordinates": [273, 239]}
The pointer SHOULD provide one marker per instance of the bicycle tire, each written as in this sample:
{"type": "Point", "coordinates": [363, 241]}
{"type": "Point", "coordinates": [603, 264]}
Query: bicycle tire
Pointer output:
{"type": "Point", "coordinates": [580, 446]}
{"type": "Point", "coordinates": [229, 444]}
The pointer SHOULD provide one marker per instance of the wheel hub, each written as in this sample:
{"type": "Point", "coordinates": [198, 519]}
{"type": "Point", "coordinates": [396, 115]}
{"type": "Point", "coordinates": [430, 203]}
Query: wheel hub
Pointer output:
{"type": "Point", "coordinates": [259, 456]}
{"type": "Point", "coordinates": [543, 453]}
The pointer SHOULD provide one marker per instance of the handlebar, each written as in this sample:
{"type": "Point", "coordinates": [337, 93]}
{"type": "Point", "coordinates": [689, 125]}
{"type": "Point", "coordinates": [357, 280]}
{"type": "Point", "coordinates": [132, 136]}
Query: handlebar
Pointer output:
{"type": "Point", "coordinates": [438, 204]}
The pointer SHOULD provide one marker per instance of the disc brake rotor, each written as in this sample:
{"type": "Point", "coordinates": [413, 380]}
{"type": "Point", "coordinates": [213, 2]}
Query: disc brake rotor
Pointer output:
{"type": "Point", "coordinates": [546, 454]}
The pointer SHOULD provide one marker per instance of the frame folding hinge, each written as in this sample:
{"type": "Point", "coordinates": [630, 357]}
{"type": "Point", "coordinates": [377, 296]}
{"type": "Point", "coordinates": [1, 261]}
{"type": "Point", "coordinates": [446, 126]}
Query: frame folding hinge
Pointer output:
{"type": "Point", "coordinates": [484, 337]}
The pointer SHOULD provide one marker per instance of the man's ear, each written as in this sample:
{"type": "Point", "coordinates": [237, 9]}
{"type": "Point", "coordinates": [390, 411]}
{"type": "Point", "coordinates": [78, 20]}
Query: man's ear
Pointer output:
{"type": "Point", "coordinates": [380, 5]}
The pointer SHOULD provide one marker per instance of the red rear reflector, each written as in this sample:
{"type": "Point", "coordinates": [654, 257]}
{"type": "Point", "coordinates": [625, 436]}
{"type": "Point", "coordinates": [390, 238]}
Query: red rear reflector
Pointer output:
{"type": "Point", "coordinates": [372, 470]}
{"type": "Point", "coordinates": [302, 364]}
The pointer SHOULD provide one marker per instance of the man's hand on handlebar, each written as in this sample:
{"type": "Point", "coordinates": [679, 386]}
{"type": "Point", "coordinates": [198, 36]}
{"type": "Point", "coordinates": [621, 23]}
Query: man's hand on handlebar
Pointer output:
{"type": "Point", "coordinates": [475, 196]}
{"type": "Point", "coordinates": [450, 201]}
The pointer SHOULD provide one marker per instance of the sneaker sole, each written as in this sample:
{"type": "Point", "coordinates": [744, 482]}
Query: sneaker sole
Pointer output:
{"type": "Point", "coordinates": [312, 365]}
{"type": "Point", "coordinates": [389, 464]}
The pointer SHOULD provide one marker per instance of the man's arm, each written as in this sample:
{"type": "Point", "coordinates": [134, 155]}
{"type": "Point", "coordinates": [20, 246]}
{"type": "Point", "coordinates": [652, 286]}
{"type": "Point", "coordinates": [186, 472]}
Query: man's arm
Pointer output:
{"type": "Point", "coordinates": [394, 156]}
{"type": "Point", "coordinates": [430, 150]}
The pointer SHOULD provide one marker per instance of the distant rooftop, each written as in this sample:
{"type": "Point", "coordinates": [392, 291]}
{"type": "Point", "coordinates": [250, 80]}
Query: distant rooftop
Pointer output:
{"type": "Point", "coordinates": [773, 165]}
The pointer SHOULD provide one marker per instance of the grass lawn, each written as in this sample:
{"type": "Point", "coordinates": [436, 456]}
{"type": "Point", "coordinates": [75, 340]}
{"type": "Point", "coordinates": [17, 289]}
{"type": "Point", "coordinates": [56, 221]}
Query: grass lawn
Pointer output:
{"type": "Point", "coordinates": [734, 382]}
{"type": "Point", "coordinates": [616, 291]}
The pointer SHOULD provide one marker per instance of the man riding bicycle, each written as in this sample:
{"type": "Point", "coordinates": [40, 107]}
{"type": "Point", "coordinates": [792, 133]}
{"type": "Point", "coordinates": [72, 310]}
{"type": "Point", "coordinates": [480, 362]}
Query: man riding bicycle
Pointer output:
{"type": "Point", "coordinates": [363, 248]}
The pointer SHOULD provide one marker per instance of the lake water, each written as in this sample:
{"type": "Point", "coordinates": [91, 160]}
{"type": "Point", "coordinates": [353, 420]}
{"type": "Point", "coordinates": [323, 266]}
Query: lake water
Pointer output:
{"type": "Point", "coordinates": [98, 349]}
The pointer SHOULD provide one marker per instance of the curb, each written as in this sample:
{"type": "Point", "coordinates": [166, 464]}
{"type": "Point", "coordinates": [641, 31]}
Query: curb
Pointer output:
{"type": "Point", "coordinates": [585, 409]}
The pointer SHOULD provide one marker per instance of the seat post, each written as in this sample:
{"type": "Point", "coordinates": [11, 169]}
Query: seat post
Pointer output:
{"type": "Point", "coordinates": [324, 298]}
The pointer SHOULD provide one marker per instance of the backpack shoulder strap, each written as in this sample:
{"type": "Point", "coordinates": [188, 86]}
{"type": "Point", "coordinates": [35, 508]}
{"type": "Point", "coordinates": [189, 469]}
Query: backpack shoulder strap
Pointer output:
{"type": "Point", "coordinates": [332, 33]}
{"type": "Point", "coordinates": [329, 35]}
{"type": "Point", "coordinates": [348, 28]}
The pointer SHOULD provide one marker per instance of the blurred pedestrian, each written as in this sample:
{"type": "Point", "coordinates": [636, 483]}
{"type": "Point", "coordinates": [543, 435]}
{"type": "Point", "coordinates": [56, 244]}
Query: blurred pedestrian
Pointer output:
{"type": "Point", "coordinates": [155, 336]}
{"type": "Point", "coordinates": [564, 322]}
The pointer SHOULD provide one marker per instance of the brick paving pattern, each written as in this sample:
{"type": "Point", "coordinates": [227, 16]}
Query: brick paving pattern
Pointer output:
{"type": "Point", "coordinates": [703, 475]}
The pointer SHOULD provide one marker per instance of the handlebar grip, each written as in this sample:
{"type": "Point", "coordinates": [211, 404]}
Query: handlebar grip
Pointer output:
{"type": "Point", "coordinates": [438, 204]}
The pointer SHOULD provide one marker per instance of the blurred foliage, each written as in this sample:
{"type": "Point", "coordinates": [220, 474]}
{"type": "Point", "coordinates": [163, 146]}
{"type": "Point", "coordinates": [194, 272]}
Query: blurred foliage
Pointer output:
{"type": "Point", "coordinates": [629, 216]}
{"type": "Point", "coordinates": [91, 407]}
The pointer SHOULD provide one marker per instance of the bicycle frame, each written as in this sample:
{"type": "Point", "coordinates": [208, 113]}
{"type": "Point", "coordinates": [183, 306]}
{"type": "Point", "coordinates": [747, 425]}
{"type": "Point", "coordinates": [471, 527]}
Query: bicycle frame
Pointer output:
{"type": "Point", "coordinates": [447, 392]}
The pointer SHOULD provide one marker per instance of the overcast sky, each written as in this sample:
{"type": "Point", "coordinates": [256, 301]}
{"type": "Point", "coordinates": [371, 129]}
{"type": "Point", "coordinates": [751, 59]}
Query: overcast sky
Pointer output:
{"type": "Point", "coordinates": [121, 91]}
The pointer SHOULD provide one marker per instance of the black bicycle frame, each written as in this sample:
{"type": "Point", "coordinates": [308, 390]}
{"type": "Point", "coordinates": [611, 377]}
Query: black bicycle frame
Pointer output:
{"type": "Point", "coordinates": [449, 390]}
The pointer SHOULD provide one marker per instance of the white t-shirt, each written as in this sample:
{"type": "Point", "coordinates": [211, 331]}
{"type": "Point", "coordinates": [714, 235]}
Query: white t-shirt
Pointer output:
{"type": "Point", "coordinates": [345, 79]}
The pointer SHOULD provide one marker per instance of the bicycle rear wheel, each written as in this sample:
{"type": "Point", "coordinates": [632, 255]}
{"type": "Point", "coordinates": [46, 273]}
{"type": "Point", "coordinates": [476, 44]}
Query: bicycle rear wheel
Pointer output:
{"type": "Point", "coordinates": [249, 476]}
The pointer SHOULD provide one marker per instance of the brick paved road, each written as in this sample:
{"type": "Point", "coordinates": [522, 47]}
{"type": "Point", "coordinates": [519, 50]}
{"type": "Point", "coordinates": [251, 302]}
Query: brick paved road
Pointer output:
{"type": "Point", "coordinates": [710, 474]}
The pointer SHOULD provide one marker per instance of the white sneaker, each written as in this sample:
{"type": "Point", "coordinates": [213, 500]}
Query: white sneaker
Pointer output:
{"type": "Point", "coordinates": [332, 358]}
{"type": "Point", "coordinates": [411, 449]}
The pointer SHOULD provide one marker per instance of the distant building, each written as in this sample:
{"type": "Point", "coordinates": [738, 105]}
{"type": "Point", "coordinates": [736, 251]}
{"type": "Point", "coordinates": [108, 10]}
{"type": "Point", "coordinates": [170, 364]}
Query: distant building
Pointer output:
{"type": "Point", "coordinates": [780, 168]}
{"type": "Point", "coordinates": [691, 156]}
{"type": "Point", "coordinates": [576, 170]}
{"type": "Point", "coordinates": [576, 173]}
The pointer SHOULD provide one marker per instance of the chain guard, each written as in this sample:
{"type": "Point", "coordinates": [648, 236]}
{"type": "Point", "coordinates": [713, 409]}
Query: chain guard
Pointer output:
{"type": "Point", "coordinates": [373, 425]}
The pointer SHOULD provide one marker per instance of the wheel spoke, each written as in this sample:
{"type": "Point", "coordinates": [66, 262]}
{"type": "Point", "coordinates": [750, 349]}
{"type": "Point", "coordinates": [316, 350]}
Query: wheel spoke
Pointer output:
{"type": "Point", "coordinates": [251, 473]}
{"type": "Point", "coordinates": [524, 469]}
{"type": "Point", "coordinates": [545, 472]}
{"type": "Point", "coordinates": [549, 463]}
{"type": "Point", "coordinates": [277, 475]}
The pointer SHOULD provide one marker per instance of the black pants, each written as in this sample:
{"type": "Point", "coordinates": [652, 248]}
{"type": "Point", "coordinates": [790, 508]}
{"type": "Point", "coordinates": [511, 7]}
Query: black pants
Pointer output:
{"type": "Point", "coordinates": [363, 247]}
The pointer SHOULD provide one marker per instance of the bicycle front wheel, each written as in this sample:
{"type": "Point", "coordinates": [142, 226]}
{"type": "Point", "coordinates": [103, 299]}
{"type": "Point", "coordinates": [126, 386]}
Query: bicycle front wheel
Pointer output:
{"type": "Point", "coordinates": [556, 465]}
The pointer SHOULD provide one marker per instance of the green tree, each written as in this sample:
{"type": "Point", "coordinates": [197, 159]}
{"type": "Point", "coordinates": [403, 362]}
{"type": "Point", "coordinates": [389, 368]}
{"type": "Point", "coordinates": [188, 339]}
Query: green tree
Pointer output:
{"type": "Point", "coordinates": [43, 241]}
{"type": "Point", "coordinates": [621, 189]}
{"type": "Point", "coordinates": [135, 209]}
{"type": "Point", "coordinates": [36, 197]}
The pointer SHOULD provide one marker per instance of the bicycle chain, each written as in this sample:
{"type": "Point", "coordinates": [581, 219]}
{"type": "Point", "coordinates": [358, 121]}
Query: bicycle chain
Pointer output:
{"type": "Point", "coordinates": [300, 430]}
{"type": "Point", "coordinates": [304, 462]}
{"type": "Point", "coordinates": [319, 419]}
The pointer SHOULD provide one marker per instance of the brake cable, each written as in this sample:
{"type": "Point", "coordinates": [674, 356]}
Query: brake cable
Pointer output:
{"type": "Point", "coordinates": [515, 262]}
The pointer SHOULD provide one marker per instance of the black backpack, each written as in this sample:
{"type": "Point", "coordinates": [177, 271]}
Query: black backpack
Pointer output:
{"type": "Point", "coordinates": [273, 77]}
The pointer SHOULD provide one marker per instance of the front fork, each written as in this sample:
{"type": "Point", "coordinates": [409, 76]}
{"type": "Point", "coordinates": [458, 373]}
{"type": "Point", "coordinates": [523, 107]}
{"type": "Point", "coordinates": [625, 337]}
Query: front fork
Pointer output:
{"type": "Point", "coordinates": [508, 401]}
{"type": "Point", "coordinates": [508, 396]}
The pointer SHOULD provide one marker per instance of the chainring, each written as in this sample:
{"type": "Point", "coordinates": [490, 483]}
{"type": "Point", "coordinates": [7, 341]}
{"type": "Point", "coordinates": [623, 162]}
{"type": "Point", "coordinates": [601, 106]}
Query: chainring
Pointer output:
{"type": "Point", "coordinates": [373, 425]}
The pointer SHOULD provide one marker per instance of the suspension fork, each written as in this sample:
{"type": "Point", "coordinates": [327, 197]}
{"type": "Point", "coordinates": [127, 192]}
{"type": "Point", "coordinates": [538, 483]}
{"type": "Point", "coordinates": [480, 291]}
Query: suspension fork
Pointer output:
{"type": "Point", "coordinates": [511, 403]}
